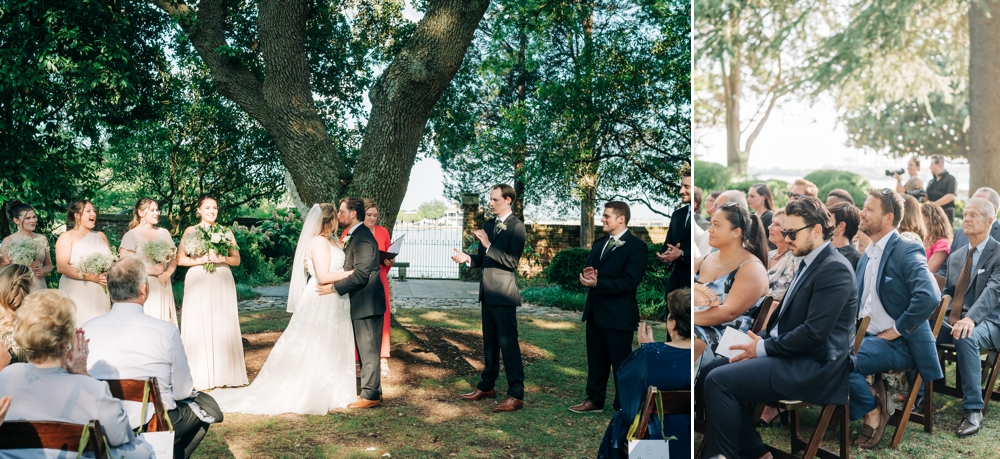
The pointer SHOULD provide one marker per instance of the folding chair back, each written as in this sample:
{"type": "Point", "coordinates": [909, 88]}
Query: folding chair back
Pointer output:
{"type": "Point", "coordinates": [53, 435]}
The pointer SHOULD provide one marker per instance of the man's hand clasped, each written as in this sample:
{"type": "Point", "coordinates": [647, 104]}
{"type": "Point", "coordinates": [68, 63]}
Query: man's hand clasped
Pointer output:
{"type": "Point", "coordinates": [588, 278]}
{"type": "Point", "coordinates": [672, 253]}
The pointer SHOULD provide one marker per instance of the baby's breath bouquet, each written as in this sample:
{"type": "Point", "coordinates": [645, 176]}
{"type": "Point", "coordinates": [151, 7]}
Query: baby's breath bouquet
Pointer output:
{"type": "Point", "coordinates": [210, 240]}
{"type": "Point", "coordinates": [157, 250]}
{"type": "Point", "coordinates": [97, 263]}
{"type": "Point", "coordinates": [24, 251]}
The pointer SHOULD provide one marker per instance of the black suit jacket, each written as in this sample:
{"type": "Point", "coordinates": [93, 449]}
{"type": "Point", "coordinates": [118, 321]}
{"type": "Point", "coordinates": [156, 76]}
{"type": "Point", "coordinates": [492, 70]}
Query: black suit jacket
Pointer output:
{"type": "Point", "coordinates": [499, 284]}
{"type": "Point", "coordinates": [679, 232]}
{"type": "Point", "coordinates": [365, 285]}
{"type": "Point", "coordinates": [612, 303]}
{"type": "Point", "coordinates": [816, 328]}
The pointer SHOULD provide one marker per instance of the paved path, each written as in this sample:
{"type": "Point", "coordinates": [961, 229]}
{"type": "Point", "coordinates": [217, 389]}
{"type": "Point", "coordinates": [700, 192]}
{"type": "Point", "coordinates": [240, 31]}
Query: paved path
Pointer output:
{"type": "Point", "coordinates": [417, 294]}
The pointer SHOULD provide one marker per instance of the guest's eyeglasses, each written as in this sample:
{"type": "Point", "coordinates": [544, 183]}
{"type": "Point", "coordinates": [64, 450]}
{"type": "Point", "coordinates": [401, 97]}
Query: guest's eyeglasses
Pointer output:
{"type": "Point", "coordinates": [795, 196]}
{"type": "Point", "coordinates": [790, 234]}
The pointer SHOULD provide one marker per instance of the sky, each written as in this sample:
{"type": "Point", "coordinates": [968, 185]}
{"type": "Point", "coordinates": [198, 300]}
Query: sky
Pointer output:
{"type": "Point", "coordinates": [802, 138]}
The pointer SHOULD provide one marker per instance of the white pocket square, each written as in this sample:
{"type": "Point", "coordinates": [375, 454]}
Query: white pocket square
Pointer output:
{"type": "Point", "coordinates": [980, 271]}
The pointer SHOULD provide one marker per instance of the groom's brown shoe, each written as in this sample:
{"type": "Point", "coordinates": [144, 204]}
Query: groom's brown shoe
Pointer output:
{"type": "Point", "coordinates": [365, 403]}
{"type": "Point", "coordinates": [508, 404]}
{"type": "Point", "coordinates": [585, 407]}
{"type": "Point", "coordinates": [479, 395]}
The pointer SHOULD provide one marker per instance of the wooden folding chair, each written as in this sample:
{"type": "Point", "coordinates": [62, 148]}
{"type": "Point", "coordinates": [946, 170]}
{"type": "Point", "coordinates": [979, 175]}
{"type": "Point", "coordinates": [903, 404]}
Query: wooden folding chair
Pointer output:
{"type": "Point", "coordinates": [941, 280]}
{"type": "Point", "coordinates": [132, 390]}
{"type": "Point", "coordinates": [812, 447]}
{"type": "Point", "coordinates": [674, 402]}
{"type": "Point", "coordinates": [53, 435]}
{"type": "Point", "coordinates": [902, 417]}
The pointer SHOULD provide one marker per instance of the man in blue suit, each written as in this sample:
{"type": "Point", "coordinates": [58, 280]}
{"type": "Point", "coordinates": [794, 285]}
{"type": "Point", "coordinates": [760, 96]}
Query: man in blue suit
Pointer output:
{"type": "Point", "coordinates": [897, 291]}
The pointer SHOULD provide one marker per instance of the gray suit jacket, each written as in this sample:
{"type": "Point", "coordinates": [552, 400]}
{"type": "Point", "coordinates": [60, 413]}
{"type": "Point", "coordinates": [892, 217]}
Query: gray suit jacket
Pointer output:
{"type": "Point", "coordinates": [981, 300]}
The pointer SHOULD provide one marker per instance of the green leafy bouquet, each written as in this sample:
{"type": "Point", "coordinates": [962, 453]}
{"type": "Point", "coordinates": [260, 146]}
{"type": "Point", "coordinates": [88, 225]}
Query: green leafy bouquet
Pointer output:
{"type": "Point", "coordinates": [208, 240]}
{"type": "Point", "coordinates": [24, 251]}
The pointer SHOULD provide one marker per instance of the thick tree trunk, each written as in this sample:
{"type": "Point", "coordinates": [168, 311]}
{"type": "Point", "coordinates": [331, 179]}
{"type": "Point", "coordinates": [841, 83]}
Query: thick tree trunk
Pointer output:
{"type": "Point", "coordinates": [403, 97]}
{"type": "Point", "coordinates": [587, 205]}
{"type": "Point", "coordinates": [984, 99]}
{"type": "Point", "coordinates": [736, 158]}
{"type": "Point", "coordinates": [522, 148]}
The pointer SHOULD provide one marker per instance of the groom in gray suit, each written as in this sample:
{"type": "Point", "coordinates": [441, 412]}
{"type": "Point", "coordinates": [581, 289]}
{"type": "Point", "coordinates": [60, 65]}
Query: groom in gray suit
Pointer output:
{"type": "Point", "coordinates": [973, 321]}
{"type": "Point", "coordinates": [367, 297]}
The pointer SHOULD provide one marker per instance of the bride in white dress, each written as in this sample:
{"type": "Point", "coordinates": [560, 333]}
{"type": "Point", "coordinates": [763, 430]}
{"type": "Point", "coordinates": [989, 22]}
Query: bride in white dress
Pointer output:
{"type": "Point", "coordinates": [311, 368]}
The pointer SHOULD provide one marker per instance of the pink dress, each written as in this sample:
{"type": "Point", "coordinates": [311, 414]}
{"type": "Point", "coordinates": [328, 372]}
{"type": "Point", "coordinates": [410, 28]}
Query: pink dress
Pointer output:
{"type": "Point", "coordinates": [160, 303]}
{"type": "Point", "coordinates": [941, 245]}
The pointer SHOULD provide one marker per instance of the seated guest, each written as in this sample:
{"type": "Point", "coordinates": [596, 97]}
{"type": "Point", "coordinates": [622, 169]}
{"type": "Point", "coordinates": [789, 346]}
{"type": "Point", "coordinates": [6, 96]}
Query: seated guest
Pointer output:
{"type": "Point", "coordinates": [846, 217]}
{"type": "Point", "coordinates": [960, 240]}
{"type": "Point", "coordinates": [54, 385]}
{"type": "Point", "coordinates": [16, 282]}
{"type": "Point", "coordinates": [911, 225]}
{"type": "Point", "coordinates": [759, 199]}
{"type": "Point", "coordinates": [710, 203]}
{"type": "Point", "coordinates": [782, 263]}
{"type": "Point", "coordinates": [838, 195]}
{"type": "Point", "coordinates": [732, 196]}
{"type": "Point", "coordinates": [898, 292]}
{"type": "Point", "coordinates": [804, 353]}
{"type": "Point", "coordinates": [973, 274]}
{"type": "Point", "coordinates": [699, 220]}
{"type": "Point", "coordinates": [664, 365]}
{"type": "Point", "coordinates": [937, 240]}
{"type": "Point", "coordinates": [802, 188]}
{"type": "Point", "coordinates": [126, 343]}
{"type": "Point", "coordinates": [735, 274]}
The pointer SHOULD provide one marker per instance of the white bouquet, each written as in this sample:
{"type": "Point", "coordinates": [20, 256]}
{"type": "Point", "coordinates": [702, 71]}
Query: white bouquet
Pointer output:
{"type": "Point", "coordinates": [24, 251]}
{"type": "Point", "coordinates": [157, 250]}
{"type": "Point", "coordinates": [204, 241]}
{"type": "Point", "coordinates": [97, 263]}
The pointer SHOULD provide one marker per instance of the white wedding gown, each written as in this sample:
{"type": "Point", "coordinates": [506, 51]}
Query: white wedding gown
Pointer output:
{"type": "Point", "coordinates": [311, 369]}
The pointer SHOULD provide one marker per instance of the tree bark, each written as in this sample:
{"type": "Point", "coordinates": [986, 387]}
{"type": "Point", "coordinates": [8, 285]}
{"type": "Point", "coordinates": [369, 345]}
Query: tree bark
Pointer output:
{"type": "Point", "coordinates": [587, 205]}
{"type": "Point", "coordinates": [403, 97]}
{"type": "Point", "coordinates": [984, 99]}
{"type": "Point", "coordinates": [522, 96]}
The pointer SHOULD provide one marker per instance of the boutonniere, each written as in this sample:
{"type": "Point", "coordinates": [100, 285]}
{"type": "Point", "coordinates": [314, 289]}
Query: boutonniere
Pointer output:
{"type": "Point", "coordinates": [347, 240]}
{"type": "Point", "coordinates": [501, 226]}
{"type": "Point", "coordinates": [616, 243]}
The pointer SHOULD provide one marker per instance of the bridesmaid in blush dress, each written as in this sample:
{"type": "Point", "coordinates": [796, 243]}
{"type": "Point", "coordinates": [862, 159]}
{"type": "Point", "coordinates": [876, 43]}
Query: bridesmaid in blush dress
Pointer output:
{"type": "Point", "coordinates": [142, 229]}
{"type": "Point", "coordinates": [85, 289]}
{"type": "Point", "coordinates": [210, 324]}
{"type": "Point", "coordinates": [26, 220]}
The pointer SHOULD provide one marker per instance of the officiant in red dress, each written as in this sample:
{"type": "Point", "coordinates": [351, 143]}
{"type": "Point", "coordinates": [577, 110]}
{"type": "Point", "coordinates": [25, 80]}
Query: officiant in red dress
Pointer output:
{"type": "Point", "coordinates": [384, 240]}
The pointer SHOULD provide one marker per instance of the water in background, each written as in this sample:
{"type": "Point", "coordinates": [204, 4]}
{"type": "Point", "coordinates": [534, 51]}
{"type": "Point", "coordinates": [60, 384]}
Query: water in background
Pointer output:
{"type": "Point", "coordinates": [428, 249]}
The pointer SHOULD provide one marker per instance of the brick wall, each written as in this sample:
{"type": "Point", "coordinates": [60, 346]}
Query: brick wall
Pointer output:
{"type": "Point", "coordinates": [548, 240]}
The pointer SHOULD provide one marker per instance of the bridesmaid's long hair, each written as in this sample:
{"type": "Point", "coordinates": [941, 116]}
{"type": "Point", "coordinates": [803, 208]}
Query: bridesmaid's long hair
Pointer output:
{"type": "Point", "coordinates": [140, 206]}
{"type": "Point", "coordinates": [76, 207]}
{"type": "Point", "coordinates": [330, 222]}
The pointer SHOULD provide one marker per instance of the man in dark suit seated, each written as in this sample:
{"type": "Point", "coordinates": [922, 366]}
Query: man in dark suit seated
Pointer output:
{"type": "Point", "coordinates": [973, 321]}
{"type": "Point", "coordinates": [612, 275]}
{"type": "Point", "coordinates": [804, 353]}
{"type": "Point", "coordinates": [899, 293]}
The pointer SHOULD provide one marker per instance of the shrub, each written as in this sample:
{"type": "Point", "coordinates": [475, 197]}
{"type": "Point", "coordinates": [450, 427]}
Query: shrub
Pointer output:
{"type": "Point", "coordinates": [824, 177]}
{"type": "Point", "coordinates": [711, 176]}
{"type": "Point", "coordinates": [565, 268]}
{"type": "Point", "coordinates": [858, 193]}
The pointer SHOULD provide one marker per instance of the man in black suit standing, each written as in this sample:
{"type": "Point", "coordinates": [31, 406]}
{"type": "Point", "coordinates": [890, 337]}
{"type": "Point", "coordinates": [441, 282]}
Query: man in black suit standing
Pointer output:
{"type": "Point", "coordinates": [677, 246]}
{"type": "Point", "coordinates": [367, 297]}
{"type": "Point", "coordinates": [616, 265]}
{"type": "Point", "coordinates": [804, 353]}
{"type": "Point", "coordinates": [501, 243]}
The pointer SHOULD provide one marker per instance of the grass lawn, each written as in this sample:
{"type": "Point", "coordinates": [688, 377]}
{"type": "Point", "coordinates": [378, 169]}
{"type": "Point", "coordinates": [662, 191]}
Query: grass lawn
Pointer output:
{"type": "Point", "coordinates": [422, 416]}
{"type": "Point", "coordinates": [941, 443]}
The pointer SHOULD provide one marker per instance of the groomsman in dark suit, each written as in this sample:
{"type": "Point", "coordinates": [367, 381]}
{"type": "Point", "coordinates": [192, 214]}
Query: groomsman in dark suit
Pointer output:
{"type": "Point", "coordinates": [898, 292]}
{"type": "Point", "coordinates": [367, 298]}
{"type": "Point", "coordinates": [501, 243]}
{"type": "Point", "coordinates": [677, 246]}
{"type": "Point", "coordinates": [803, 354]}
{"type": "Point", "coordinates": [616, 265]}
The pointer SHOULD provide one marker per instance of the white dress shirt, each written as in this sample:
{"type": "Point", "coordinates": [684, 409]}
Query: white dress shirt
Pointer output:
{"type": "Point", "coordinates": [871, 304]}
{"type": "Point", "coordinates": [125, 343]}
{"type": "Point", "coordinates": [614, 237]}
{"type": "Point", "coordinates": [799, 274]}
{"type": "Point", "coordinates": [499, 218]}
{"type": "Point", "coordinates": [356, 225]}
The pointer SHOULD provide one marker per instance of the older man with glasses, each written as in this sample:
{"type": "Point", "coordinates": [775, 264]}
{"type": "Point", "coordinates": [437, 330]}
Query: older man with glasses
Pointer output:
{"type": "Point", "coordinates": [898, 292]}
{"type": "Point", "coordinates": [802, 188]}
